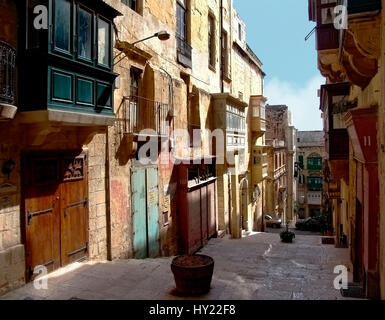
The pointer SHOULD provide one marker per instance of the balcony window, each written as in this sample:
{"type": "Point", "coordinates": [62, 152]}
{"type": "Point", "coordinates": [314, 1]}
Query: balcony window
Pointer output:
{"type": "Point", "coordinates": [314, 164]}
{"type": "Point", "coordinates": [85, 34]}
{"type": "Point", "coordinates": [104, 46]}
{"type": "Point", "coordinates": [184, 50]}
{"type": "Point", "coordinates": [314, 183]}
{"type": "Point", "coordinates": [211, 44]}
{"type": "Point", "coordinates": [225, 54]}
{"type": "Point", "coordinates": [62, 25]}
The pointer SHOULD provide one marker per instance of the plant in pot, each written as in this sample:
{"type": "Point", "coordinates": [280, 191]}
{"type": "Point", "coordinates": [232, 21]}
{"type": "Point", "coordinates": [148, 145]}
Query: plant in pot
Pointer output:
{"type": "Point", "coordinates": [287, 236]}
{"type": "Point", "coordinates": [192, 274]}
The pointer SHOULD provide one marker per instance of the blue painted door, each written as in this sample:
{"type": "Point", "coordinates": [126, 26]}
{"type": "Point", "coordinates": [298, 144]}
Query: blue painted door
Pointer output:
{"type": "Point", "coordinates": [145, 211]}
{"type": "Point", "coordinates": [138, 187]}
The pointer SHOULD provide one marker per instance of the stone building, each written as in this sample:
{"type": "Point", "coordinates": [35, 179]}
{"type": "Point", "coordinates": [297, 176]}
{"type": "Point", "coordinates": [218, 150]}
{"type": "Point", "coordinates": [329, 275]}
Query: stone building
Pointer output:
{"type": "Point", "coordinates": [309, 172]}
{"type": "Point", "coordinates": [53, 153]}
{"type": "Point", "coordinates": [281, 142]}
{"type": "Point", "coordinates": [103, 167]}
{"type": "Point", "coordinates": [240, 112]}
{"type": "Point", "coordinates": [352, 102]}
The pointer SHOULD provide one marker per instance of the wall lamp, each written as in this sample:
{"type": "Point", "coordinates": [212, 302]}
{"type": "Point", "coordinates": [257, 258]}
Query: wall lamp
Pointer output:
{"type": "Point", "coordinates": [161, 35]}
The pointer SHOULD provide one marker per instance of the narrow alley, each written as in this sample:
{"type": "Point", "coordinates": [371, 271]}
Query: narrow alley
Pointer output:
{"type": "Point", "coordinates": [258, 266]}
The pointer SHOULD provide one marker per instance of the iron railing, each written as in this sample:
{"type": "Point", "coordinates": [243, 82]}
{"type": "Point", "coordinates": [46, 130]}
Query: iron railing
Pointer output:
{"type": "Point", "coordinates": [140, 114]}
{"type": "Point", "coordinates": [7, 73]}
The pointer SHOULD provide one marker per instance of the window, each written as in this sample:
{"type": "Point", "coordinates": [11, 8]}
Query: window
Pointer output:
{"type": "Point", "coordinates": [314, 163]}
{"type": "Point", "coordinates": [315, 183]}
{"type": "Point", "coordinates": [133, 4]}
{"type": "Point", "coordinates": [84, 34]}
{"type": "Point", "coordinates": [240, 31]}
{"type": "Point", "coordinates": [225, 57]}
{"type": "Point", "coordinates": [211, 38]}
{"type": "Point", "coordinates": [135, 76]}
{"type": "Point", "coordinates": [104, 46]}
{"type": "Point", "coordinates": [184, 50]}
{"type": "Point", "coordinates": [62, 30]}
{"type": "Point", "coordinates": [181, 31]}
{"type": "Point", "coordinates": [300, 160]}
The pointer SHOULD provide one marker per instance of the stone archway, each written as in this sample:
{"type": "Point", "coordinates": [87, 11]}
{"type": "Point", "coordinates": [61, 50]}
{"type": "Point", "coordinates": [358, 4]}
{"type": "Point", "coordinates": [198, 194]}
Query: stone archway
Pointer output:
{"type": "Point", "coordinates": [244, 203]}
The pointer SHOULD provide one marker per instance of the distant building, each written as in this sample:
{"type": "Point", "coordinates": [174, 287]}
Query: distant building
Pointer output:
{"type": "Point", "coordinates": [309, 173]}
{"type": "Point", "coordinates": [280, 139]}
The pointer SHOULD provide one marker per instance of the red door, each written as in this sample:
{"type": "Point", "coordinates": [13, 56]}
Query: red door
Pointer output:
{"type": "Point", "coordinates": [56, 211]}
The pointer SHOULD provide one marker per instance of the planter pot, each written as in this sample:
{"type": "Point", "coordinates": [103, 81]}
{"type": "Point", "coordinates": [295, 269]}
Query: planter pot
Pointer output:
{"type": "Point", "coordinates": [193, 274]}
{"type": "Point", "coordinates": [287, 237]}
{"type": "Point", "coordinates": [287, 240]}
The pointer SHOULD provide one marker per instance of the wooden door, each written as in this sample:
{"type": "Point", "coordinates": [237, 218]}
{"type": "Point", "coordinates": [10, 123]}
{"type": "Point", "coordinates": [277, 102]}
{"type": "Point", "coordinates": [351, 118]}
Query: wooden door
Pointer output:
{"type": "Point", "coordinates": [42, 214]}
{"type": "Point", "coordinates": [56, 211]}
{"type": "Point", "coordinates": [74, 210]}
{"type": "Point", "coordinates": [358, 273]}
{"type": "Point", "coordinates": [145, 211]}
{"type": "Point", "coordinates": [138, 196]}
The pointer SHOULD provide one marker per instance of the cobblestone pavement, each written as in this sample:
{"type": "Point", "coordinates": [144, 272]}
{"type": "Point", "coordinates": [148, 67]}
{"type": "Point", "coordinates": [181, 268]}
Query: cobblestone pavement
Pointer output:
{"type": "Point", "coordinates": [258, 266]}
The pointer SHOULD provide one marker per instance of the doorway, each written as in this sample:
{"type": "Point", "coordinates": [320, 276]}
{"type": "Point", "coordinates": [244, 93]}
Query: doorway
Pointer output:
{"type": "Point", "coordinates": [145, 212]}
{"type": "Point", "coordinates": [56, 210]}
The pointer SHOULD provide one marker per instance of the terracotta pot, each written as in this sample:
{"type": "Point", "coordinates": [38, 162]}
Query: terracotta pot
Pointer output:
{"type": "Point", "coordinates": [192, 277]}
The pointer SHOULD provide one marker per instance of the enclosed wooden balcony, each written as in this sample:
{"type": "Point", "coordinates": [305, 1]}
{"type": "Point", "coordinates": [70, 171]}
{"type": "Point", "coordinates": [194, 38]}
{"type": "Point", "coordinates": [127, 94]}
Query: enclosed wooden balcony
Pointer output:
{"type": "Point", "coordinates": [260, 165]}
{"type": "Point", "coordinates": [334, 105]}
{"type": "Point", "coordinates": [337, 145]}
{"type": "Point", "coordinates": [67, 70]}
{"type": "Point", "coordinates": [258, 119]}
{"type": "Point", "coordinates": [327, 38]}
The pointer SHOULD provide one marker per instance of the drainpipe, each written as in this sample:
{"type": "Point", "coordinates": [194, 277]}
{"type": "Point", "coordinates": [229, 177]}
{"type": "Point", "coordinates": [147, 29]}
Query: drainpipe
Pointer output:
{"type": "Point", "coordinates": [171, 100]}
{"type": "Point", "coordinates": [108, 199]}
{"type": "Point", "coordinates": [221, 47]}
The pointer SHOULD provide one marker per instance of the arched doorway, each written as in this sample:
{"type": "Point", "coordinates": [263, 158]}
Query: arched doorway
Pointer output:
{"type": "Point", "coordinates": [244, 199]}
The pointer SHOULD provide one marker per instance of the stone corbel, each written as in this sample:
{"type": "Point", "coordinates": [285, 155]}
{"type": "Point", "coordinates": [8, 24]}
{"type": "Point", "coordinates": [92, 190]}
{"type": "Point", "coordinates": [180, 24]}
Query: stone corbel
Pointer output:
{"type": "Point", "coordinates": [361, 50]}
{"type": "Point", "coordinates": [330, 67]}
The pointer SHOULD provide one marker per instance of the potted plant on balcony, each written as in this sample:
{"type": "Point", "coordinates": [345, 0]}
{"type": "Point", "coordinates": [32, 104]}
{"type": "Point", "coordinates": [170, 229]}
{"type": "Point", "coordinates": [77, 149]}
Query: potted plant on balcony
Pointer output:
{"type": "Point", "coordinates": [287, 236]}
{"type": "Point", "coordinates": [193, 274]}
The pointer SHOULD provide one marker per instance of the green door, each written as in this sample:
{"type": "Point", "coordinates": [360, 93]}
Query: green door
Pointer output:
{"type": "Point", "coordinates": [145, 204]}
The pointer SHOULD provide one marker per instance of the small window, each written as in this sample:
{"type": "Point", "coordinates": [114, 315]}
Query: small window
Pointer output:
{"type": "Point", "coordinates": [135, 78]}
{"type": "Point", "coordinates": [211, 44]}
{"type": "Point", "coordinates": [240, 31]}
{"type": "Point", "coordinates": [133, 4]}
{"type": "Point", "coordinates": [62, 25]}
{"type": "Point", "coordinates": [103, 42]}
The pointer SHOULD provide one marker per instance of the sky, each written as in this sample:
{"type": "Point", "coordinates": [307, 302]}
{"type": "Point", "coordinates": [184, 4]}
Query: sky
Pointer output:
{"type": "Point", "coordinates": [276, 32]}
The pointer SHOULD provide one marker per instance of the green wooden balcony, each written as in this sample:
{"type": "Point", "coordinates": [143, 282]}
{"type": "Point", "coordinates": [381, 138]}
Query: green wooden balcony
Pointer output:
{"type": "Point", "coordinates": [68, 69]}
{"type": "Point", "coordinates": [315, 184]}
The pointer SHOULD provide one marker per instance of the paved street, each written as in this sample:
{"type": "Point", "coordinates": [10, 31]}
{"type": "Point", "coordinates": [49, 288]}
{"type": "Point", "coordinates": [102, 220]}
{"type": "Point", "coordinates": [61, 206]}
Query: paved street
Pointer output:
{"type": "Point", "coordinates": [258, 266]}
